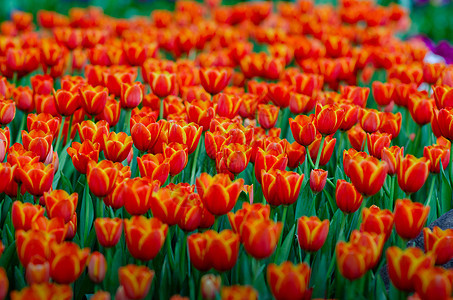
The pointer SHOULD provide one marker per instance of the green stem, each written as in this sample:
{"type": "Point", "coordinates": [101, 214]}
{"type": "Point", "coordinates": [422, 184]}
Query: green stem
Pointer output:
{"type": "Point", "coordinates": [312, 165]}
{"type": "Point", "coordinates": [195, 160]}
{"type": "Point", "coordinates": [318, 158]}
{"type": "Point", "coordinates": [60, 134]}
{"type": "Point", "coordinates": [307, 258]}
{"type": "Point", "coordinates": [68, 136]}
{"type": "Point", "coordinates": [451, 166]}
{"type": "Point", "coordinates": [171, 259]}
{"type": "Point", "coordinates": [127, 121]}
{"type": "Point", "coordinates": [161, 109]}
{"type": "Point", "coordinates": [21, 126]}
{"type": "Point", "coordinates": [18, 191]}
{"type": "Point", "coordinates": [285, 212]}
{"type": "Point", "coordinates": [431, 189]}
{"type": "Point", "coordinates": [215, 227]}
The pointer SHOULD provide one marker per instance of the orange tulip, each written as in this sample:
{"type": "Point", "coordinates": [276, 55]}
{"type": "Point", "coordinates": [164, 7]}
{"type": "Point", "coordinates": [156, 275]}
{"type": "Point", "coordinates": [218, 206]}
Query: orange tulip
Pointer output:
{"type": "Point", "coordinates": [136, 194]}
{"type": "Point", "coordinates": [434, 283]}
{"type": "Point", "coordinates": [303, 129]}
{"type": "Point", "coordinates": [136, 280]}
{"type": "Point", "coordinates": [328, 118]}
{"type": "Point", "coordinates": [108, 231]}
{"type": "Point", "coordinates": [289, 281]}
{"type": "Point", "coordinates": [67, 262]}
{"type": "Point", "coordinates": [47, 290]}
{"type": "Point", "coordinates": [347, 197]}
{"type": "Point", "coordinates": [218, 193]}
{"type": "Point", "coordinates": [281, 187]}
{"type": "Point", "coordinates": [116, 146]}
{"type": "Point", "coordinates": [260, 236]}
{"type": "Point", "coordinates": [39, 142]}
{"type": "Point", "coordinates": [267, 115]}
{"type": "Point", "coordinates": [403, 265]}
{"type": "Point", "coordinates": [101, 177]}
{"type": "Point", "coordinates": [36, 177]}
{"type": "Point", "coordinates": [93, 100]}
{"type": "Point", "coordinates": [33, 246]}
{"type": "Point", "coordinates": [438, 242]}
{"type": "Point", "coordinates": [318, 178]}
{"type": "Point", "coordinates": [326, 152]}
{"type": "Point", "coordinates": [60, 204]}
{"type": "Point", "coordinates": [367, 174]}
{"type": "Point", "coordinates": [154, 167]}
{"type": "Point", "coordinates": [435, 155]}
{"type": "Point", "coordinates": [144, 237]}
{"type": "Point", "coordinates": [37, 273]}
{"type": "Point", "coordinates": [375, 220]}
{"type": "Point", "coordinates": [238, 292]}
{"type": "Point", "coordinates": [409, 218]}
{"type": "Point", "coordinates": [312, 233]}
{"type": "Point", "coordinates": [412, 172]}
{"type": "Point", "coordinates": [214, 80]}
{"type": "Point", "coordinates": [351, 260]}
{"type": "Point", "coordinates": [82, 154]}
{"type": "Point", "coordinates": [162, 84]}
{"type": "Point", "coordinates": [390, 156]}
{"type": "Point", "coordinates": [97, 267]}
{"type": "Point", "coordinates": [210, 286]}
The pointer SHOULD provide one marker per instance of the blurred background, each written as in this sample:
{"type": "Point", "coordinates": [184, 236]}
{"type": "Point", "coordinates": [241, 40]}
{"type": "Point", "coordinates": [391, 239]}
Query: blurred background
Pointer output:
{"type": "Point", "coordinates": [430, 18]}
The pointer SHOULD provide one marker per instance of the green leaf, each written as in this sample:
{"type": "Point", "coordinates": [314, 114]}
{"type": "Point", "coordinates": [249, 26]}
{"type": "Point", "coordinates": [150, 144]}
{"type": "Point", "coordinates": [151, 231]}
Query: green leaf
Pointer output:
{"type": "Point", "coordinates": [446, 192]}
{"type": "Point", "coordinates": [283, 253]}
{"type": "Point", "coordinates": [86, 215]}
{"type": "Point", "coordinates": [19, 281]}
{"type": "Point", "coordinates": [7, 255]}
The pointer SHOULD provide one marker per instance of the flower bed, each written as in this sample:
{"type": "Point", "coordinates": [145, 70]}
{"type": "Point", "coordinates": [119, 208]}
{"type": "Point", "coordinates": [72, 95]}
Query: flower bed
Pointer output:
{"type": "Point", "coordinates": [263, 150]}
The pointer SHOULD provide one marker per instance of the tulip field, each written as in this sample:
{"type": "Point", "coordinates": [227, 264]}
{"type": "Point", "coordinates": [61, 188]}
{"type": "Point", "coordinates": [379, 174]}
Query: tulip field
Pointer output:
{"type": "Point", "coordinates": [262, 150]}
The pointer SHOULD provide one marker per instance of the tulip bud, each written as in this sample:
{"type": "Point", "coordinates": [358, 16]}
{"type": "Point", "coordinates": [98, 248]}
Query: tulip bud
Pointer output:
{"type": "Point", "coordinates": [37, 273]}
{"type": "Point", "coordinates": [97, 266]}
{"type": "Point", "coordinates": [318, 180]}
{"type": "Point", "coordinates": [210, 286]}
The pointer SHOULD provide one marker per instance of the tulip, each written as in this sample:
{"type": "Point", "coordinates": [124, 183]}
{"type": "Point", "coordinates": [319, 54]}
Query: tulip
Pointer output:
{"type": "Point", "coordinates": [260, 237]}
{"type": "Point", "coordinates": [131, 95]}
{"type": "Point", "coordinates": [4, 284]}
{"type": "Point", "coordinates": [145, 132]}
{"type": "Point", "coordinates": [197, 245]}
{"type": "Point", "coordinates": [412, 172]}
{"type": "Point", "coordinates": [67, 262]}
{"type": "Point", "coordinates": [281, 187]}
{"type": "Point", "coordinates": [347, 197]}
{"type": "Point", "coordinates": [391, 124]}
{"type": "Point", "coordinates": [222, 249]}
{"type": "Point", "coordinates": [218, 194]}
{"type": "Point", "coordinates": [236, 157]}
{"type": "Point", "coordinates": [432, 72]}
{"type": "Point", "coordinates": [375, 220]}
{"type": "Point", "coordinates": [435, 155]}
{"type": "Point", "coordinates": [111, 112]}
{"type": "Point", "coordinates": [33, 246]}
{"type": "Point", "coordinates": [356, 136]}
{"type": "Point", "coordinates": [46, 291]}
{"type": "Point", "coordinates": [248, 211]}
{"type": "Point", "coordinates": [295, 153]}
{"type": "Point", "coordinates": [403, 265]}
{"type": "Point", "coordinates": [95, 132]}
{"type": "Point", "coordinates": [66, 102]}
{"type": "Point", "coordinates": [108, 231]}
{"type": "Point", "coordinates": [154, 167]}
{"type": "Point", "coordinates": [367, 174]}
{"type": "Point", "coordinates": [383, 92]}
{"type": "Point", "coordinates": [101, 295]}
{"type": "Point", "coordinates": [376, 142]}
{"type": "Point", "coordinates": [238, 292]}
{"type": "Point", "coordinates": [227, 105]}
{"type": "Point", "coordinates": [303, 129]}
{"type": "Point", "coordinates": [36, 177]}
{"type": "Point", "coordinates": [162, 84]}
{"type": "Point", "coordinates": [144, 237]}
{"type": "Point", "coordinates": [185, 134]}
{"type": "Point", "coordinates": [23, 98]}
{"type": "Point", "coordinates": [136, 194]}
{"type": "Point", "coordinates": [7, 111]}
{"type": "Point", "coordinates": [136, 280]}
{"type": "Point", "coordinates": [443, 96]}
{"type": "Point", "coordinates": [6, 178]}
{"type": "Point", "coordinates": [267, 160]}
{"type": "Point", "coordinates": [301, 104]}
{"type": "Point", "coordinates": [289, 281]}
{"type": "Point", "coordinates": [434, 283]}
{"type": "Point", "coordinates": [351, 260]}
{"type": "Point", "coordinates": [210, 286]}
{"type": "Point", "coordinates": [93, 100]}
{"type": "Point", "coordinates": [42, 84]}
{"type": "Point", "coordinates": [311, 233]}
{"type": "Point", "coordinates": [177, 156]}
{"type": "Point", "coordinates": [214, 80]}
{"type": "Point", "coordinates": [326, 152]}
{"type": "Point", "coordinates": [116, 146]}
{"type": "Point", "coordinates": [370, 120]}
{"type": "Point", "coordinates": [390, 156]}
{"type": "Point", "coordinates": [372, 242]}
{"type": "Point", "coordinates": [201, 112]}
{"type": "Point", "coordinates": [439, 243]}
{"type": "Point", "coordinates": [267, 115]}
{"type": "Point", "coordinates": [328, 118]}
{"type": "Point", "coordinates": [37, 273]}
{"type": "Point", "coordinates": [409, 218]}
{"type": "Point", "coordinates": [318, 178]}
{"type": "Point", "coordinates": [60, 204]}
{"type": "Point", "coordinates": [351, 115]}
{"type": "Point", "coordinates": [101, 177]}
{"type": "Point", "coordinates": [44, 122]}
{"type": "Point", "coordinates": [82, 154]}
{"type": "Point", "coordinates": [97, 266]}
{"type": "Point", "coordinates": [421, 107]}
{"type": "Point", "coordinates": [38, 142]}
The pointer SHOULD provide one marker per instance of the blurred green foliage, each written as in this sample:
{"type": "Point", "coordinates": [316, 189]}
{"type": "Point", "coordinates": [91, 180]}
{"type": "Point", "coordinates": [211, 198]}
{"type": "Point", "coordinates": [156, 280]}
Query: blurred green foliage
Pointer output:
{"type": "Point", "coordinates": [434, 21]}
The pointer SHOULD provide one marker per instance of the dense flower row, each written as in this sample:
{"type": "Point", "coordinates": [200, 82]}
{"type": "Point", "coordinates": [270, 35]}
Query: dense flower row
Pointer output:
{"type": "Point", "coordinates": [195, 153]}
